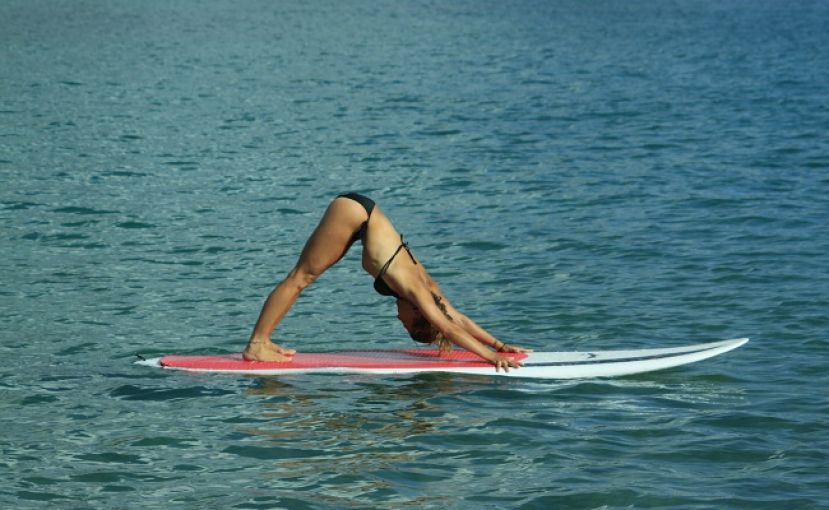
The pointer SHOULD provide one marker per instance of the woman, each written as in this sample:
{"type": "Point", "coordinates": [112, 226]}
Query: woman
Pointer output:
{"type": "Point", "coordinates": [422, 308]}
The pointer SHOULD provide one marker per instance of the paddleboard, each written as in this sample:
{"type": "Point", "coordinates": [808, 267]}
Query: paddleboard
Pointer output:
{"type": "Point", "coordinates": [537, 365]}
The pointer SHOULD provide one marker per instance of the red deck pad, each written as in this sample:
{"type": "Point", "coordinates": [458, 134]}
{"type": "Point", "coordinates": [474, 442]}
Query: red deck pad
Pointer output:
{"type": "Point", "coordinates": [403, 359]}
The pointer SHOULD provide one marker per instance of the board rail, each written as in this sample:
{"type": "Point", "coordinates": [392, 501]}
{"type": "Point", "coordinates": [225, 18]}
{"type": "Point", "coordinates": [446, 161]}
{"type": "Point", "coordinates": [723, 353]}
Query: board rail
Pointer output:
{"type": "Point", "coordinates": [539, 365]}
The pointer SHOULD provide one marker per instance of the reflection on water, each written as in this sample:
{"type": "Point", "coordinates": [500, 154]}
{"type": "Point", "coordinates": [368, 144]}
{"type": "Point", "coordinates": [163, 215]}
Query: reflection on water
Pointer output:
{"type": "Point", "coordinates": [352, 437]}
{"type": "Point", "coordinates": [345, 437]}
{"type": "Point", "coordinates": [361, 411]}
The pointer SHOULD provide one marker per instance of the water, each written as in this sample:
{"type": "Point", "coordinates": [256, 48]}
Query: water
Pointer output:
{"type": "Point", "coordinates": [577, 175]}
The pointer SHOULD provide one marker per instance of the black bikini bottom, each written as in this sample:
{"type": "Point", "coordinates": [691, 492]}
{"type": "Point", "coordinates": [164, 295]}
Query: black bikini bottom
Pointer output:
{"type": "Point", "coordinates": [368, 205]}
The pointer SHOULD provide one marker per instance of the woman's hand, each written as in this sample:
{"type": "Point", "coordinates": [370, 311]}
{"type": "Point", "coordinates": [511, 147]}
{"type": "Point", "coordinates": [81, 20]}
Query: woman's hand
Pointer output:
{"type": "Point", "coordinates": [504, 347]}
{"type": "Point", "coordinates": [505, 362]}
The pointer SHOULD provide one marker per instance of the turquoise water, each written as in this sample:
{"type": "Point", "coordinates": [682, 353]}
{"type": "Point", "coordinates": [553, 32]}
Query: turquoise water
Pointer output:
{"type": "Point", "coordinates": [577, 176]}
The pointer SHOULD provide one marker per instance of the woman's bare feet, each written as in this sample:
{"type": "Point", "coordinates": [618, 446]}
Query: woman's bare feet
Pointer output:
{"type": "Point", "coordinates": [266, 351]}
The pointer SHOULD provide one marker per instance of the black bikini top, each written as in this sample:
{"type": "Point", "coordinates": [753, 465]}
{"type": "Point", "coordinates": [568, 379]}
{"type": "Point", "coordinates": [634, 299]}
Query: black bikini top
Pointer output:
{"type": "Point", "coordinates": [380, 285]}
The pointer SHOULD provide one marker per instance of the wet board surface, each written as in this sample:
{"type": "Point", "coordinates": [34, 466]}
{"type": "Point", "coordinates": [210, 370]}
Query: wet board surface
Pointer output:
{"type": "Point", "coordinates": [539, 365]}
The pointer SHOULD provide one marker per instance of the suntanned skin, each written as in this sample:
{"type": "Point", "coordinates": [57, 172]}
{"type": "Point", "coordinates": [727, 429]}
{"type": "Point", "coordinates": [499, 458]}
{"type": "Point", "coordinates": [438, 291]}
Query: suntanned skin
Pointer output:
{"type": "Point", "coordinates": [328, 244]}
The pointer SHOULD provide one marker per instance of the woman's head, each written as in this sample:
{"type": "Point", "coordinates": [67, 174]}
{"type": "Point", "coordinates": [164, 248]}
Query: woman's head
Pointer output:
{"type": "Point", "coordinates": [420, 329]}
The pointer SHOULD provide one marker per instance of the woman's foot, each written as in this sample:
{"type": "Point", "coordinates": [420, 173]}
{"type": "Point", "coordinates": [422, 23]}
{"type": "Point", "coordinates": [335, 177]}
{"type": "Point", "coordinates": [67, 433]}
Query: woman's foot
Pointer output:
{"type": "Point", "coordinates": [266, 351]}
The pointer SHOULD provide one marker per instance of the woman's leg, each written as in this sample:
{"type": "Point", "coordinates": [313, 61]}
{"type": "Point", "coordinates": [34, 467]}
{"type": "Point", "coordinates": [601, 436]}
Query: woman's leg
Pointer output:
{"type": "Point", "coordinates": [327, 245]}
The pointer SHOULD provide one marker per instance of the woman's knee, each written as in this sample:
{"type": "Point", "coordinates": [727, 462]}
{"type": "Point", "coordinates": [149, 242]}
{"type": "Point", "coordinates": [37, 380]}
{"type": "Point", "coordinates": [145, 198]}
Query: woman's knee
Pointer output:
{"type": "Point", "coordinates": [302, 278]}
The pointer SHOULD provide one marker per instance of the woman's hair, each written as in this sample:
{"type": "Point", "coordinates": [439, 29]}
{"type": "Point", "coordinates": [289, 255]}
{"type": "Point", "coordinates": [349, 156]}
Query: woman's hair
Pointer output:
{"type": "Point", "coordinates": [422, 330]}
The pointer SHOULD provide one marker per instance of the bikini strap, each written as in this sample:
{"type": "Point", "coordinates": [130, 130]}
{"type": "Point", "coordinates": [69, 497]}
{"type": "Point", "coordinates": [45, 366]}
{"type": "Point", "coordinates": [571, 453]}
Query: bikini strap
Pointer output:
{"type": "Point", "coordinates": [403, 244]}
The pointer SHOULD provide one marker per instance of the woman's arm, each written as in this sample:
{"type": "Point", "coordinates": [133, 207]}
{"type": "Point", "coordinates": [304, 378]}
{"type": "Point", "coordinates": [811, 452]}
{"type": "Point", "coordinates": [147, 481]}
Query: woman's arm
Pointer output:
{"type": "Point", "coordinates": [456, 332]}
{"type": "Point", "coordinates": [473, 328]}
{"type": "Point", "coordinates": [482, 335]}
